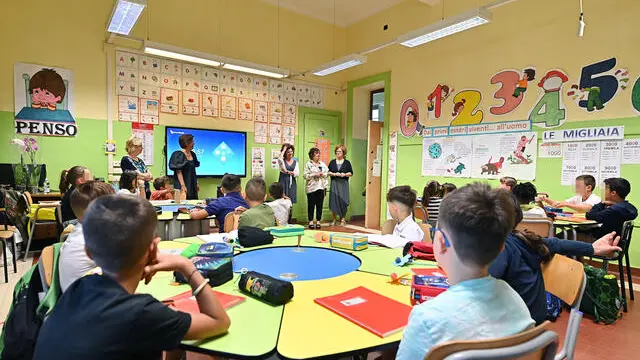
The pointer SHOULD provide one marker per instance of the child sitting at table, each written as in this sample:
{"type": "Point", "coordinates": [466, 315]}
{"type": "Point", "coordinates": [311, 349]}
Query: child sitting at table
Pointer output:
{"type": "Point", "coordinates": [401, 200]}
{"type": "Point", "coordinates": [614, 210]}
{"type": "Point", "coordinates": [526, 195]}
{"type": "Point", "coordinates": [476, 306]}
{"type": "Point", "coordinates": [163, 189]}
{"type": "Point", "coordinates": [281, 204]}
{"type": "Point", "coordinates": [220, 207]}
{"type": "Point", "coordinates": [74, 262]}
{"type": "Point", "coordinates": [508, 182]}
{"type": "Point", "coordinates": [260, 215]}
{"type": "Point", "coordinates": [129, 185]}
{"type": "Point", "coordinates": [584, 199]}
{"type": "Point", "coordinates": [102, 317]}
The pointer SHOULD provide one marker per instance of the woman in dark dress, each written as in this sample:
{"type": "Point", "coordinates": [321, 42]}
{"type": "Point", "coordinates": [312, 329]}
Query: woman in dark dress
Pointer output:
{"type": "Point", "coordinates": [340, 171]}
{"type": "Point", "coordinates": [289, 170]}
{"type": "Point", "coordinates": [184, 163]}
{"type": "Point", "coordinates": [132, 163]}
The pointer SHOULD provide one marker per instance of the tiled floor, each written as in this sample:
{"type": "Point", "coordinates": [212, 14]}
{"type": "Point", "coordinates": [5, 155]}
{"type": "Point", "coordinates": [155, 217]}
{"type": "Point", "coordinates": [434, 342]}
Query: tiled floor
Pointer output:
{"type": "Point", "coordinates": [595, 341]}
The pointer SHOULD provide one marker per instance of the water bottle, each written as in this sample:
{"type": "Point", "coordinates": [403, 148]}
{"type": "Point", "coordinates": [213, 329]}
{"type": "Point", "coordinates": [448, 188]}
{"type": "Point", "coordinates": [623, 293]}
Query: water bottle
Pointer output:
{"type": "Point", "coordinates": [47, 188]}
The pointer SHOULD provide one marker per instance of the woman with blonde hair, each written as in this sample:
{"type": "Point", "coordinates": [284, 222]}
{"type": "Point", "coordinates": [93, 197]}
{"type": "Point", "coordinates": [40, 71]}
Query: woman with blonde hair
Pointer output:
{"type": "Point", "coordinates": [132, 163]}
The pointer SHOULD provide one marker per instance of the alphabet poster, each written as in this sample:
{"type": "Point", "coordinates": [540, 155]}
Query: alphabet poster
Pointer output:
{"type": "Point", "coordinates": [44, 101]}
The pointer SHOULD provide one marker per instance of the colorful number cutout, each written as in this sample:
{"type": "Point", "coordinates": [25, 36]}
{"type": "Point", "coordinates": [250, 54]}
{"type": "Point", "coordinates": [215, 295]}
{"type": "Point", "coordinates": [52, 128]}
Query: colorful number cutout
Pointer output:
{"type": "Point", "coordinates": [507, 80]}
{"type": "Point", "coordinates": [465, 105]}
{"type": "Point", "coordinates": [608, 84]}
{"type": "Point", "coordinates": [435, 100]}
{"type": "Point", "coordinates": [635, 96]}
{"type": "Point", "coordinates": [554, 112]}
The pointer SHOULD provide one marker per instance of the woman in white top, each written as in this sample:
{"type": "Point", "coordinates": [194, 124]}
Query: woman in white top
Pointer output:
{"type": "Point", "coordinates": [315, 173]}
{"type": "Point", "coordinates": [129, 185]}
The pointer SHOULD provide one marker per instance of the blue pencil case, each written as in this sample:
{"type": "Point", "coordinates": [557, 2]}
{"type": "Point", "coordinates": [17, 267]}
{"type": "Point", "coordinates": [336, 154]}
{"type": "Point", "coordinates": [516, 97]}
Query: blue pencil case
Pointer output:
{"type": "Point", "coordinates": [215, 250]}
{"type": "Point", "coordinates": [287, 230]}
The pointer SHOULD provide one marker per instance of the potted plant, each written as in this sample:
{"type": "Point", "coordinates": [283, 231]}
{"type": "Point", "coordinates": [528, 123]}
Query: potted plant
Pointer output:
{"type": "Point", "coordinates": [27, 174]}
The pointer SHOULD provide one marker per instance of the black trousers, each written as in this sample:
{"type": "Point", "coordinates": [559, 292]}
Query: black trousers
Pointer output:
{"type": "Point", "coordinates": [314, 201]}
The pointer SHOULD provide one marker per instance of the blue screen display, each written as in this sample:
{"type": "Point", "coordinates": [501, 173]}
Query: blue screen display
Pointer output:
{"type": "Point", "coordinates": [219, 152]}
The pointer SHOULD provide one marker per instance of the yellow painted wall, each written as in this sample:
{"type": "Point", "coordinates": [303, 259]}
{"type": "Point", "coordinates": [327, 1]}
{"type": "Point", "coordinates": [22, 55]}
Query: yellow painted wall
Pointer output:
{"type": "Point", "coordinates": [540, 33]}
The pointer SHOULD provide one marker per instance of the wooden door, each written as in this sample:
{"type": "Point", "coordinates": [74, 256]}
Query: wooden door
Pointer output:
{"type": "Point", "coordinates": [374, 173]}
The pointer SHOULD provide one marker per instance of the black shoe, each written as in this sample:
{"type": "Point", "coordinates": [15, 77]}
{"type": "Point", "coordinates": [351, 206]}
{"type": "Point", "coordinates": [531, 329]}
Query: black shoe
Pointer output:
{"type": "Point", "coordinates": [311, 226]}
{"type": "Point", "coordinates": [318, 226]}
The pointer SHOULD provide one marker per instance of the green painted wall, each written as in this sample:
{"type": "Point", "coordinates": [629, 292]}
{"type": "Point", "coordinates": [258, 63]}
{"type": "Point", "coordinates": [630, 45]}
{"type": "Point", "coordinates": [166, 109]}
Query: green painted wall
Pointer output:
{"type": "Point", "coordinates": [358, 157]}
{"type": "Point", "coordinates": [548, 171]}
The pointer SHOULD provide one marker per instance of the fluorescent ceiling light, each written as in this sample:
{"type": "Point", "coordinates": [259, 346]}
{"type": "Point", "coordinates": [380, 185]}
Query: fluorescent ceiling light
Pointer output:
{"type": "Point", "coordinates": [257, 69]}
{"type": "Point", "coordinates": [125, 15]}
{"type": "Point", "coordinates": [173, 52]}
{"type": "Point", "coordinates": [445, 27]}
{"type": "Point", "coordinates": [340, 64]}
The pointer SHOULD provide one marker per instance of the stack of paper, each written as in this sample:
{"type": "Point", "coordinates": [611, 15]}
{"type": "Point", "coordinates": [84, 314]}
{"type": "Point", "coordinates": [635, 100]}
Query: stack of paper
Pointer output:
{"type": "Point", "coordinates": [390, 241]}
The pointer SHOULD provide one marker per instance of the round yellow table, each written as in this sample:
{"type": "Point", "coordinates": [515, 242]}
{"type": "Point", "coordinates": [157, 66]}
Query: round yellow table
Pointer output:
{"type": "Point", "coordinates": [300, 329]}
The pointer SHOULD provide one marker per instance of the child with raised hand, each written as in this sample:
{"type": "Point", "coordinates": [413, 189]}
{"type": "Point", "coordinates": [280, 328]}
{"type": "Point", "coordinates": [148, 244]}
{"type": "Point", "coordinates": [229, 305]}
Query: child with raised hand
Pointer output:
{"type": "Point", "coordinates": [74, 262]}
{"type": "Point", "coordinates": [281, 204]}
{"type": "Point", "coordinates": [584, 200]}
{"type": "Point", "coordinates": [101, 316]}
{"type": "Point", "coordinates": [401, 200]}
{"type": "Point", "coordinates": [476, 306]}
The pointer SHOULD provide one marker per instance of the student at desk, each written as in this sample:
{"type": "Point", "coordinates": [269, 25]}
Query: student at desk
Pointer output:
{"type": "Point", "coordinates": [220, 207]}
{"type": "Point", "coordinates": [584, 199]}
{"type": "Point", "coordinates": [614, 210]}
{"type": "Point", "coordinates": [401, 200]}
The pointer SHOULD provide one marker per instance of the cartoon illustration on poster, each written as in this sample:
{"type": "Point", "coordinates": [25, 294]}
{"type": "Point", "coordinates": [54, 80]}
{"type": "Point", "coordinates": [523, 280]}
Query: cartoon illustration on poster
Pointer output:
{"type": "Point", "coordinates": [549, 111]}
{"type": "Point", "coordinates": [513, 85]}
{"type": "Point", "coordinates": [44, 101]}
{"type": "Point", "coordinates": [409, 118]}
{"type": "Point", "coordinates": [447, 156]}
{"type": "Point", "coordinates": [521, 86]}
{"type": "Point", "coordinates": [599, 84]}
{"type": "Point", "coordinates": [635, 97]}
{"type": "Point", "coordinates": [436, 99]}
{"type": "Point", "coordinates": [497, 155]}
{"type": "Point", "coordinates": [465, 108]}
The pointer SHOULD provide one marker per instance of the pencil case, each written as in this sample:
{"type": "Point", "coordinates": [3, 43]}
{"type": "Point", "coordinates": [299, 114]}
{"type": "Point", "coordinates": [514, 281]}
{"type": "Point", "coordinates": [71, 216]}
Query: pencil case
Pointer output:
{"type": "Point", "coordinates": [218, 271]}
{"type": "Point", "coordinates": [215, 250]}
{"type": "Point", "coordinates": [266, 288]}
{"type": "Point", "coordinates": [349, 242]}
{"type": "Point", "coordinates": [425, 287]}
{"type": "Point", "coordinates": [287, 230]}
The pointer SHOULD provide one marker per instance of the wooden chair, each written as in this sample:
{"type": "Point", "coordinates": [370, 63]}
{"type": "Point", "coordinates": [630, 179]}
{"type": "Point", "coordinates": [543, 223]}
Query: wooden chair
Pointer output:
{"type": "Point", "coordinates": [536, 343]}
{"type": "Point", "coordinates": [388, 226]}
{"type": "Point", "coordinates": [565, 278]}
{"type": "Point", "coordinates": [231, 222]}
{"type": "Point", "coordinates": [36, 221]}
{"type": "Point", "coordinates": [421, 213]}
{"type": "Point", "coordinates": [541, 227]}
{"type": "Point", "coordinates": [45, 267]}
{"type": "Point", "coordinates": [7, 236]}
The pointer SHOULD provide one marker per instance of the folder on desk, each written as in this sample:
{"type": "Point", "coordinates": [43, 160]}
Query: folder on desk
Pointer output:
{"type": "Point", "coordinates": [186, 302]}
{"type": "Point", "coordinates": [364, 307]}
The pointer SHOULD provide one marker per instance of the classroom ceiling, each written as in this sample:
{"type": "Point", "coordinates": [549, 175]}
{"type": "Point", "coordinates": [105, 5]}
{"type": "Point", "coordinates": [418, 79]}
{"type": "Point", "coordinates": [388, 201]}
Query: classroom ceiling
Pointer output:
{"type": "Point", "coordinates": [347, 12]}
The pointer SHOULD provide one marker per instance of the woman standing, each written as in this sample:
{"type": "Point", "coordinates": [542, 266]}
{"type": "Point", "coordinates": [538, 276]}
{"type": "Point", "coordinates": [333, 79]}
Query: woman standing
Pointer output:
{"type": "Point", "coordinates": [132, 163]}
{"type": "Point", "coordinates": [315, 173]}
{"type": "Point", "coordinates": [289, 170]}
{"type": "Point", "coordinates": [184, 163]}
{"type": "Point", "coordinates": [340, 171]}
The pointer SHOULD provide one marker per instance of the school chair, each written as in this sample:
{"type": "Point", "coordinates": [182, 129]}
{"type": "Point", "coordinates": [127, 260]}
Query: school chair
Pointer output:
{"type": "Point", "coordinates": [39, 215]}
{"type": "Point", "coordinates": [49, 279]}
{"type": "Point", "coordinates": [421, 213]}
{"type": "Point", "coordinates": [231, 222]}
{"type": "Point", "coordinates": [7, 236]}
{"type": "Point", "coordinates": [625, 242]}
{"type": "Point", "coordinates": [565, 278]}
{"type": "Point", "coordinates": [536, 343]}
{"type": "Point", "coordinates": [540, 227]}
{"type": "Point", "coordinates": [388, 226]}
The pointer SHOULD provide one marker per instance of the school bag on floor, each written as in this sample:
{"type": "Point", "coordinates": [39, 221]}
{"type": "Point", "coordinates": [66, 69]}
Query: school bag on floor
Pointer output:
{"type": "Point", "coordinates": [601, 297]}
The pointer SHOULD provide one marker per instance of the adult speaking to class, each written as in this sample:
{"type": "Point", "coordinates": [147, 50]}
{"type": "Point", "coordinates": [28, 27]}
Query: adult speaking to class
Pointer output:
{"type": "Point", "coordinates": [132, 163]}
{"type": "Point", "coordinates": [289, 170]}
{"type": "Point", "coordinates": [184, 163]}
{"type": "Point", "coordinates": [340, 171]}
{"type": "Point", "coordinates": [315, 173]}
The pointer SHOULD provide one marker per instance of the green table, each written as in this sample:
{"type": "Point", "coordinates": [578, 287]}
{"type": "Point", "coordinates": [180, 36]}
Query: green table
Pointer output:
{"type": "Point", "coordinates": [299, 329]}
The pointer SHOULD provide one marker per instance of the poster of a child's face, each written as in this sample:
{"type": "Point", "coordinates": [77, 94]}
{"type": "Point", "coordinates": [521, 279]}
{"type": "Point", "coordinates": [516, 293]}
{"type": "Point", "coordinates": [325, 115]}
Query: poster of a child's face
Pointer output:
{"type": "Point", "coordinates": [43, 87]}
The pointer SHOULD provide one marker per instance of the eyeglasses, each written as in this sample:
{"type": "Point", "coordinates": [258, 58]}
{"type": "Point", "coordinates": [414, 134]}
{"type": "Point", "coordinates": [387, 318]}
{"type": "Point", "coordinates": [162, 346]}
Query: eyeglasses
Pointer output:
{"type": "Point", "coordinates": [446, 239]}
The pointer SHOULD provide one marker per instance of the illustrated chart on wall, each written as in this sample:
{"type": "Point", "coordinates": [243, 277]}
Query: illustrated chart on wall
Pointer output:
{"type": "Point", "coordinates": [448, 156]}
{"type": "Point", "coordinates": [144, 132]}
{"type": "Point", "coordinates": [498, 155]}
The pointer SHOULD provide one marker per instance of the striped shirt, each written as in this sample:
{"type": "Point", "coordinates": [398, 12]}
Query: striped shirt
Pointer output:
{"type": "Point", "coordinates": [433, 207]}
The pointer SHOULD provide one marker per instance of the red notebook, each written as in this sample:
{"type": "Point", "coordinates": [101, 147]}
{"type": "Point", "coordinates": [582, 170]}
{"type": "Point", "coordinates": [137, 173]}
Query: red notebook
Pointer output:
{"type": "Point", "coordinates": [364, 307]}
{"type": "Point", "coordinates": [186, 302]}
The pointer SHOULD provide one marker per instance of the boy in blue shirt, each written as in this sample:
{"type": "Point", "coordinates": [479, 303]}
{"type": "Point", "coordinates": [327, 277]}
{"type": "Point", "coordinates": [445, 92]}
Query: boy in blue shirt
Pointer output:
{"type": "Point", "coordinates": [231, 188]}
{"type": "Point", "coordinates": [614, 210]}
{"type": "Point", "coordinates": [476, 306]}
{"type": "Point", "coordinates": [100, 317]}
